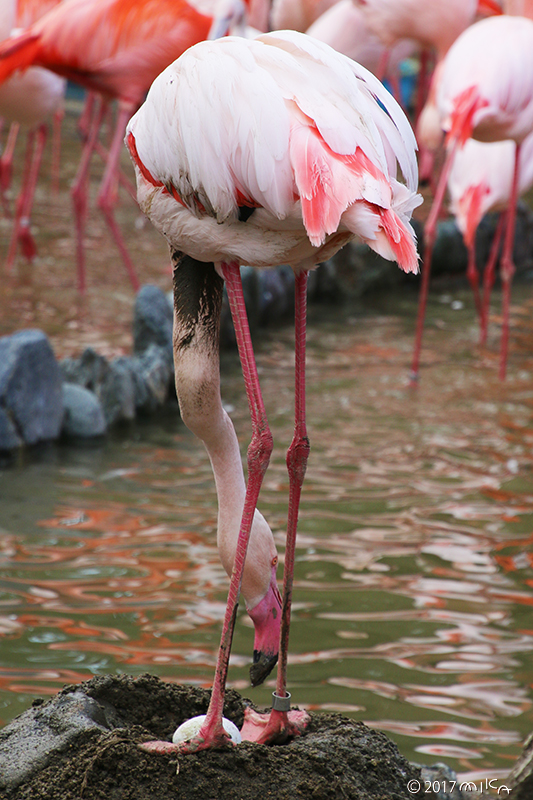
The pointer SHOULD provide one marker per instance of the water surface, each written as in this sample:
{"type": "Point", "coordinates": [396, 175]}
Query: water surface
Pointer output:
{"type": "Point", "coordinates": [414, 581]}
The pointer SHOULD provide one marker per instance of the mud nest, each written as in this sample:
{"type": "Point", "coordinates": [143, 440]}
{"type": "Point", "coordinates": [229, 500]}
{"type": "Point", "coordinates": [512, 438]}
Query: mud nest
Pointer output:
{"type": "Point", "coordinates": [83, 745]}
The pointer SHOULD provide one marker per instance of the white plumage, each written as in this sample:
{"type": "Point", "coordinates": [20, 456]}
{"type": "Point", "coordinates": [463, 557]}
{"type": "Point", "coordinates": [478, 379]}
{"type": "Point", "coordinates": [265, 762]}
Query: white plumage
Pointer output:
{"type": "Point", "coordinates": [258, 122]}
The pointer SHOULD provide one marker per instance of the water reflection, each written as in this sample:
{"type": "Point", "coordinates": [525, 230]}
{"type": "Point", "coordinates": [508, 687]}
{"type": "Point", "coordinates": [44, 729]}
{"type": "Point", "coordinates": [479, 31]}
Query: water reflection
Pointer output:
{"type": "Point", "coordinates": [414, 562]}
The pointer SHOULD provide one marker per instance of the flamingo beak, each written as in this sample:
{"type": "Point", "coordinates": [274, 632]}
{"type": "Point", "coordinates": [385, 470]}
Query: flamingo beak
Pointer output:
{"type": "Point", "coordinates": [266, 616]}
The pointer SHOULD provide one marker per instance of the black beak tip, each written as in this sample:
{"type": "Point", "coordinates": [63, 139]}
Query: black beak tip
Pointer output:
{"type": "Point", "coordinates": [262, 666]}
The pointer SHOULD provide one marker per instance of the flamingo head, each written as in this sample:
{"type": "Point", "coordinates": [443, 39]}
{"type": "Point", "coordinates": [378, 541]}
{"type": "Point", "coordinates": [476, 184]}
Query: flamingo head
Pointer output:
{"type": "Point", "coordinates": [266, 616]}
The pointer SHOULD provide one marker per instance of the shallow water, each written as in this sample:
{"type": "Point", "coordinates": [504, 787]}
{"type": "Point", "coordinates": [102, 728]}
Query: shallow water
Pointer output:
{"type": "Point", "coordinates": [414, 580]}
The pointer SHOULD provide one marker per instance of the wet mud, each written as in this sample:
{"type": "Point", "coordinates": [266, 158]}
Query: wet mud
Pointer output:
{"type": "Point", "coordinates": [100, 759]}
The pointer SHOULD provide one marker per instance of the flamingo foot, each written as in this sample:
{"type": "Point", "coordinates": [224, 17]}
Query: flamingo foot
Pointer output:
{"type": "Point", "coordinates": [194, 735]}
{"type": "Point", "coordinates": [274, 727]}
{"type": "Point", "coordinates": [27, 242]}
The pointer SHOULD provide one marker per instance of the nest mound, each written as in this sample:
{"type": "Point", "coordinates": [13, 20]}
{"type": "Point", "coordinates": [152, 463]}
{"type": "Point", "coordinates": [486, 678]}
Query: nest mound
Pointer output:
{"type": "Point", "coordinates": [83, 745]}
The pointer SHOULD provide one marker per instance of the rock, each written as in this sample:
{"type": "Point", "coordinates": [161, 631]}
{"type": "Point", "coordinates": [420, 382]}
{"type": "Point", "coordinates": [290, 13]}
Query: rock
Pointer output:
{"type": "Point", "coordinates": [152, 321]}
{"type": "Point", "coordinates": [445, 784]}
{"type": "Point", "coordinates": [112, 383]}
{"type": "Point", "coordinates": [276, 294]}
{"type": "Point", "coordinates": [9, 438]}
{"type": "Point", "coordinates": [152, 377]}
{"type": "Point", "coordinates": [34, 738]}
{"type": "Point", "coordinates": [30, 389]}
{"type": "Point", "coordinates": [84, 415]}
{"type": "Point", "coordinates": [520, 779]}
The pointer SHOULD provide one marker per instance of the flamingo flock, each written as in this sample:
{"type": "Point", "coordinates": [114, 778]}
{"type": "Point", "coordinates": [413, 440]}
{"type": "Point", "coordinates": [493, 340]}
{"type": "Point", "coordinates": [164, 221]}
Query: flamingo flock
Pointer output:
{"type": "Point", "coordinates": [262, 135]}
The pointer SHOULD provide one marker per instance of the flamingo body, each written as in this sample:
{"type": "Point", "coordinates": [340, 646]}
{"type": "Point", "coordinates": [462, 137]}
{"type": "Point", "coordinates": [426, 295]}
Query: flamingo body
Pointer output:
{"type": "Point", "coordinates": [115, 47]}
{"type": "Point", "coordinates": [343, 26]}
{"type": "Point", "coordinates": [434, 25]}
{"type": "Point", "coordinates": [475, 96]}
{"type": "Point", "coordinates": [307, 152]}
{"type": "Point", "coordinates": [481, 178]}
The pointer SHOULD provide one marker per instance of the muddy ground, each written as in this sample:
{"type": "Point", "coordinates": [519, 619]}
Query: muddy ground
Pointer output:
{"type": "Point", "coordinates": [75, 748]}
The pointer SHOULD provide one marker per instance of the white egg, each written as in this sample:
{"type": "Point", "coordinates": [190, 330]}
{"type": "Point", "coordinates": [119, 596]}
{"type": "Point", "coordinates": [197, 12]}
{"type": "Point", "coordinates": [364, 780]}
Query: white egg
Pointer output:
{"type": "Point", "coordinates": [190, 728]}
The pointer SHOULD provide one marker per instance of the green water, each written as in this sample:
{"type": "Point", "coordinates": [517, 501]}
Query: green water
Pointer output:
{"type": "Point", "coordinates": [414, 580]}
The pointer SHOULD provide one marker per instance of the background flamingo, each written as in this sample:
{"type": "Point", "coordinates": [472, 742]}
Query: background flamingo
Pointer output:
{"type": "Point", "coordinates": [343, 26]}
{"type": "Point", "coordinates": [484, 91]}
{"type": "Point", "coordinates": [116, 48]}
{"type": "Point", "coordinates": [480, 181]}
{"type": "Point", "coordinates": [31, 99]}
{"type": "Point", "coordinates": [291, 157]}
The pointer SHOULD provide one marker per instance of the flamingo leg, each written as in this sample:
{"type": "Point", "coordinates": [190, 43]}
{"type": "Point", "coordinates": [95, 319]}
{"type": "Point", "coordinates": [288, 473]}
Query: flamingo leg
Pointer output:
{"type": "Point", "coordinates": [473, 277]}
{"type": "Point", "coordinates": [281, 723]}
{"type": "Point", "coordinates": [80, 189]}
{"type": "Point", "coordinates": [489, 277]}
{"type": "Point", "coordinates": [56, 148]}
{"type": "Point", "coordinates": [507, 267]}
{"type": "Point", "coordinates": [212, 733]}
{"type": "Point", "coordinates": [108, 189]}
{"type": "Point", "coordinates": [6, 162]}
{"type": "Point", "coordinates": [21, 228]}
{"type": "Point", "coordinates": [430, 232]}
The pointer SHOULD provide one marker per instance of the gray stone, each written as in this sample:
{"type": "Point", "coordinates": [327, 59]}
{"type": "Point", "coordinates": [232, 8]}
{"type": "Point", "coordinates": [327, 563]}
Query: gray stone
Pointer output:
{"type": "Point", "coordinates": [29, 742]}
{"type": "Point", "coordinates": [152, 321]}
{"type": "Point", "coordinates": [152, 377]}
{"type": "Point", "coordinates": [90, 370]}
{"type": "Point", "coordinates": [111, 382]}
{"type": "Point", "coordinates": [9, 438]}
{"type": "Point", "coordinates": [30, 386]}
{"type": "Point", "coordinates": [84, 415]}
{"type": "Point", "coordinates": [117, 394]}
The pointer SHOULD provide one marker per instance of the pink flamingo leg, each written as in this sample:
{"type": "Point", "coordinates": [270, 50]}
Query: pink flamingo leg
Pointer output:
{"type": "Point", "coordinates": [21, 228]}
{"type": "Point", "coordinates": [79, 190]}
{"type": "Point", "coordinates": [108, 189]}
{"type": "Point", "coordinates": [489, 277]}
{"type": "Point", "coordinates": [282, 724]}
{"type": "Point", "coordinates": [56, 148]}
{"type": "Point", "coordinates": [430, 231]}
{"type": "Point", "coordinates": [473, 277]}
{"type": "Point", "coordinates": [211, 733]}
{"type": "Point", "coordinates": [507, 267]}
{"type": "Point", "coordinates": [6, 163]}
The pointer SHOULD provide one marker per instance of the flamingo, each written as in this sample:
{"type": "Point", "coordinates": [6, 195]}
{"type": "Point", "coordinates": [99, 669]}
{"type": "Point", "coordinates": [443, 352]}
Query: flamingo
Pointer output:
{"type": "Point", "coordinates": [519, 8]}
{"type": "Point", "coordinates": [294, 154]}
{"type": "Point", "coordinates": [485, 92]}
{"type": "Point", "coordinates": [116, 48]}
{"type": "Point", "coordinates": [297, 15]}
{"type": "Point", "coordinates": [480, 181]}
{"type": "Point", "coordinates": [29, 100]}
{"type": "Point", "coordinates": [434, 26]}
{"type": "Point", "coordinates": [343, 26]}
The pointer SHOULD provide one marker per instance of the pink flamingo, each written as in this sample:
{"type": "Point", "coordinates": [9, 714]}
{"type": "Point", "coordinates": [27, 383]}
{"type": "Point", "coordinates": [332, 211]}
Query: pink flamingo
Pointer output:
{"type": "Point", "coordinates": [30, 100]}
{"type": "Point", "coordinates": [485, 92]}
{"type": "Point", "coordinates": [480, 181]}
{"type": "Point", "coordinates": [434, 26]}
{"type": "Point", "coordinates": [116, 48]}
{"type": "Point", "coordinates": [293, 156]}
{"type": "Point", "coordinates": [343, 26]}
{"type": "Point", "coordinates": [297, 15]}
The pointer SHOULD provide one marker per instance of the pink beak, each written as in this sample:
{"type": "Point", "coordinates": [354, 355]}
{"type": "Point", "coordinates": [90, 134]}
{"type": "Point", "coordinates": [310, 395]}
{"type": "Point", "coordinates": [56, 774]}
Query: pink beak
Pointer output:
{"type": "Point", "coordinates": [266, 616]}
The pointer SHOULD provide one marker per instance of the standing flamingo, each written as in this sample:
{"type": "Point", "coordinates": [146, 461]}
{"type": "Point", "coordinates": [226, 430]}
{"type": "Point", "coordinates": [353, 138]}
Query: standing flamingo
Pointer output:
{"type": "Point", "coordinates": [480, 181]}
{"type": "Point", "coordinates": [116, 48]}
{"type": "Point", "coordinates": [27, 100]}
{"type": "Point", "coordinates": [485, 92]}
{"type": "Point", "coordinates": [294, 154]}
